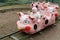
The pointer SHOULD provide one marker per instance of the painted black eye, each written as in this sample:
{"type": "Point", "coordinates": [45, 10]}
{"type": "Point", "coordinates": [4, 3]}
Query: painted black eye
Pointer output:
{"type": "Point", "coordinates": [35, 26]}
{"type": "Point", "coordinates": [46, 21]}
{"type": "Point", "coordinates": [36, 6]}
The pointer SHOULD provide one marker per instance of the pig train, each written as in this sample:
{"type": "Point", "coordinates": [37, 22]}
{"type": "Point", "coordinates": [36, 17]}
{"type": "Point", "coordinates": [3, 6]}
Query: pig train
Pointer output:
{"type": "Point", "coordinates": [43, 14]}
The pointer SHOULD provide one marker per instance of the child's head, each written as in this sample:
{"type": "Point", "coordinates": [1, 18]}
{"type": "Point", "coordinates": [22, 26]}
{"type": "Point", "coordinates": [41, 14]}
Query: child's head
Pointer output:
{"type": "Point", "coordinates": [34, 9]}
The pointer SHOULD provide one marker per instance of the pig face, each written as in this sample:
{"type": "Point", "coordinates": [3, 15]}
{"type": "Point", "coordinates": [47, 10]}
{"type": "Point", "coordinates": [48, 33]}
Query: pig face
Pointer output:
{"type": "Point", "coordinates": [28, 24]}
{"type": "Point", "coordinates": [35, 4]}
{"type": "Point", "coordinates": [25, 24]}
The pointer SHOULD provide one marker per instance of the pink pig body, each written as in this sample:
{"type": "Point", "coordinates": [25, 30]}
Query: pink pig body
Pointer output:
{"type": "Point", "coordinates": [38, 18]}
{"type": "Point", "coordinates": [36, 26]}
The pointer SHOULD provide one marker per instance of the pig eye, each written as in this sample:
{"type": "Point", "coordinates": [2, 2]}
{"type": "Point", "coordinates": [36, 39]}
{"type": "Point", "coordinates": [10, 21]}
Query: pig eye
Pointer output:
{"type": "Point", "coordinates": [53, 10]}
{"type": "Point", "coordinates": [26, 22]}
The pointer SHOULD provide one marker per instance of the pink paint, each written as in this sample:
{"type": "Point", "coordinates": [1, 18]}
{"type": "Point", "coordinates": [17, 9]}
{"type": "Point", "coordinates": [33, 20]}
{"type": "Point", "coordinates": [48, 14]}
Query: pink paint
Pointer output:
{"type": "Point", "coordinates": [42, 15]}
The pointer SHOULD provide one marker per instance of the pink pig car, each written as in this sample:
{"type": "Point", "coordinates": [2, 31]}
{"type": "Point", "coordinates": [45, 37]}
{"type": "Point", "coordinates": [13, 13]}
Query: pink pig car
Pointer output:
{"type": "Point", "coordinates": [31, 24]}
{"type": "Point", "coordinates": [43, 7]}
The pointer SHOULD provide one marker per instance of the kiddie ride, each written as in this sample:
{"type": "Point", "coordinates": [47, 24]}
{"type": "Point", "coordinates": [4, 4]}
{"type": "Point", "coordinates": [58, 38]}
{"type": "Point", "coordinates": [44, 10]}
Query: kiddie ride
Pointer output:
{"type": "Point", "coordinates": [42, 15]}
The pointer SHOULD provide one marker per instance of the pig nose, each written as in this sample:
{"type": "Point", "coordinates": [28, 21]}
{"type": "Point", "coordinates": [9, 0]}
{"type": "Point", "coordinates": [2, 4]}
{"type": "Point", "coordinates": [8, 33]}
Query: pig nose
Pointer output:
{"type": "Point", "coordinates": [56, 14]}
{"type": "Point", "coordinates": [27, 28]}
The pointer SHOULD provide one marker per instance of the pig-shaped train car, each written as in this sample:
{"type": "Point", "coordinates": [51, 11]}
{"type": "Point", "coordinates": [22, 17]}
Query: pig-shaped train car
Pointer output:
{"type": "Point", "coordinates": [38, 19]}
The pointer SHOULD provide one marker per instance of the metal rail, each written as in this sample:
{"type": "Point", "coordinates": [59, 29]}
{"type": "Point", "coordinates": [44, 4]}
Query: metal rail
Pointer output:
{"type": "Point", "coordinates": [9, 34]}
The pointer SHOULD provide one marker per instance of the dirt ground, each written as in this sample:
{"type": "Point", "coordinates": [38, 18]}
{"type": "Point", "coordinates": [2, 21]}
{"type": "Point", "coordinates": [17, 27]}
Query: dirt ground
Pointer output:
{"type": "Point", "coordinates": [8, 25]}
{"type": "Point", "coordinates": [7, 22]}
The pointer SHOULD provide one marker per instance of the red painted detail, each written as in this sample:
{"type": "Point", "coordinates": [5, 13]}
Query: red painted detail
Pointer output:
{"type": "Point", "coordinates": [19, 14]}
{"type": "Point", "coordinates": [45, 6]}
{"type": "Point", "coordinates": [56, 8]}
{"type": "Point", "coordinates": [44, 18]}
{"type": "Point", "coordinates": [56, 14]}
{"type": "Point", "coordinates": [27, 28]}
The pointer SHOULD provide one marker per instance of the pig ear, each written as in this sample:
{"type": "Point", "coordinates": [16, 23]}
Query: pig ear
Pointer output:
{"type": "Point", "coordinates": [56, 7]}
{"type": "Point", "coordinates": [20, 13]}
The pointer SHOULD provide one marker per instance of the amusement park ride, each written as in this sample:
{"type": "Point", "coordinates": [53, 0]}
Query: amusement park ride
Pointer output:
{"type": "Point", "coordinates": [43, 14]}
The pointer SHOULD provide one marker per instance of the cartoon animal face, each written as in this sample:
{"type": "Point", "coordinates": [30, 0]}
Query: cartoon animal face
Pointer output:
{"type": "Point", "coordinates": [24, 19]}
{"type": "Point", "coordinates": [42, 15]}
{"type": "Point", "coordinates": [25, 23]}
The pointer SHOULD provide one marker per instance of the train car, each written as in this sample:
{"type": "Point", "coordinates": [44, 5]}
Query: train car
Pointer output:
{"type": "Point", "coordinates": [43, 6]}
{"type": "Point", "coordinates": [38, 18]}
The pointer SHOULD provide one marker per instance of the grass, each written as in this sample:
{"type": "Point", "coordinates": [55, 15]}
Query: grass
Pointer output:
{"type": "Point", "coordinates": [14, 6]}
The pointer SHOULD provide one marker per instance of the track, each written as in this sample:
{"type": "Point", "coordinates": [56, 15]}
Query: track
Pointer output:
{"type": "Point", "coordinates": [16, 36]}
{"type": "Point", "coordinates": [21, 36]}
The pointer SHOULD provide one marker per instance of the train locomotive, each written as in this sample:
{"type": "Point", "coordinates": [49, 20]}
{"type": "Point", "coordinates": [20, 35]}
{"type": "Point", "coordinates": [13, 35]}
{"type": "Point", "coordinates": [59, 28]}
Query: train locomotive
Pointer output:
{"type": "Point", "coordinates": [43, 14]}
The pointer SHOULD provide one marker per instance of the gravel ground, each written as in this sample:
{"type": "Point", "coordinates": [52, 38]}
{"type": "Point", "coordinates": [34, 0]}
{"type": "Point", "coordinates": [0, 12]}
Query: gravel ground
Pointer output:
{"type": "Point", "coordinates": [8, 22]}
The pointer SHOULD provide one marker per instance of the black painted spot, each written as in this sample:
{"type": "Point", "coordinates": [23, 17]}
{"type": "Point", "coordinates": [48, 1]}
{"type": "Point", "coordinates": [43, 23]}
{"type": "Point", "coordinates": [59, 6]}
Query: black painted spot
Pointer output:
{"type": "Point", "coordinates": [32, 4]}
{"type": "Point", "coordinates": [44, 18]}
{"type": "Point", "coordinates": [46, 21]}
{"type": "Point", "coordinates": [36, 6]}
{"type": "Point", "coordinates": [35, 26]}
